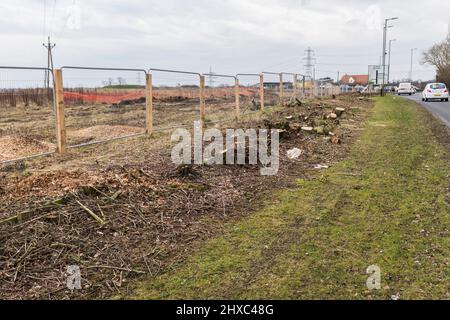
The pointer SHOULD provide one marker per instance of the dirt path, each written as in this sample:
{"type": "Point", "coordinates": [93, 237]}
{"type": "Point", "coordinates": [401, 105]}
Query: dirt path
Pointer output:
{"type": "Point", "coordinates": [387, 205]}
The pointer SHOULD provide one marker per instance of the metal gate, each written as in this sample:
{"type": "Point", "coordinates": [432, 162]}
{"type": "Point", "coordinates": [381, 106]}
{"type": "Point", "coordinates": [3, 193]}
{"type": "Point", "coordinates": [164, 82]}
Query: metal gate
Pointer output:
{"type": "Point", "coordinates": [104, 104]}
{"type": "Point", "coordinates": [27, 113]}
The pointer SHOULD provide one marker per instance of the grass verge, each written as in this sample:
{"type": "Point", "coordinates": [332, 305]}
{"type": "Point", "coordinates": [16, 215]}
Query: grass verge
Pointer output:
{"type": "Point", "coordinates": [387, 204]}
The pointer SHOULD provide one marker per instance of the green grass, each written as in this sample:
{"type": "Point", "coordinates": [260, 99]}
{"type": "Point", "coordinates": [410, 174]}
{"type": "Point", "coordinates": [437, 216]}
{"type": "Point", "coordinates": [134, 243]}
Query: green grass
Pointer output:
{"type": "Point", "coordinates": [386, 205]}
{"type": "Point", "coordinates": [124, 86]}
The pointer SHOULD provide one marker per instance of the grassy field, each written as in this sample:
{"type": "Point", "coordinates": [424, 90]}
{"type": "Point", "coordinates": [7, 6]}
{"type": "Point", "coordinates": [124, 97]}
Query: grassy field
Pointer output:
{"type": "Point", "coordinates": [387, 204]}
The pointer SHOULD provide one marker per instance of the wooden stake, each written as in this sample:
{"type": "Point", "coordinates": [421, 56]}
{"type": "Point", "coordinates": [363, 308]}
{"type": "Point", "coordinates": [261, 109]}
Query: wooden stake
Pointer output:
{"type": "Point", "coordinates": [281, 88]}
{"type": "Point", "coordinates": [149, 105]}
{"type": "Point", "coordinates": [60, 118]}
{"type": "Point", "coordinates": [202, 100]}
{"type": "Point", "coordinates": [238, 107]}
{"type": "Point", "coordinates": [295, 87]}
{"type": "Point", "coordinates": [304, 87]}
{"type": "Point", "coordinates": [261, 90]}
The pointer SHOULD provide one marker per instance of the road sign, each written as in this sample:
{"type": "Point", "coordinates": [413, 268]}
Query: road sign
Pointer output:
{"type": "Point", "coordinates": [376, 74]}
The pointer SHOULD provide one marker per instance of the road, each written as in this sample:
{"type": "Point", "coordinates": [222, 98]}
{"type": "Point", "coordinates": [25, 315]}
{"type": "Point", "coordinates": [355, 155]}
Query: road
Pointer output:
{"type": "Point", "coordinates": [440, 109]}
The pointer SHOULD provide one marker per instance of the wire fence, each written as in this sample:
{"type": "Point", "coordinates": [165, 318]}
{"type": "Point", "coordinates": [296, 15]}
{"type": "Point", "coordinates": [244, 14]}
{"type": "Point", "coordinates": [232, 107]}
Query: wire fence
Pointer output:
{"type": "Point", "coordinates": [273, 88]}
{"type": "Point", "coordinates": [251, 92]}
{"type": "Point", "coordinates": [220, 98]}
{"type": "Point", "coordinates": [290, 87]}
{"type": "Point", "coordinates": [77, 106]}
{"type": "Point", "coordinates": [27, 122]}
{"type": "Point", "coordinates": [176, 98]}
{"type": "Point", "coordinates": [103, 104]}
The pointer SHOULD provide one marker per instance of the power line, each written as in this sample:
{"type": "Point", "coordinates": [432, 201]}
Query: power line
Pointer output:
{"type": "Point", "coordinates": [44, 27]}
{"type": "Point", "coordinates": [52, 21]}
{"type": "Point", "coordinates": [342, 64]}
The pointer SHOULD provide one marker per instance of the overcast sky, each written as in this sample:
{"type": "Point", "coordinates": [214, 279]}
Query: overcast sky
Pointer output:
{"type": "Point", "coordinates": [230, 36]}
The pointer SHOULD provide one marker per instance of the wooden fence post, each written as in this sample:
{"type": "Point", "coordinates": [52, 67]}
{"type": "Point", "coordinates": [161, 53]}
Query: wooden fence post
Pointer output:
{"type": "Point", "coordinates": [304, 87]}
{"type": "Point", "coordinates": [60, 118]}
{"type": "Point", "coordinates": [295, 87]}
{"type": "Point", "coordinates": [149, 105]}
{"type": "Point", "coordinates": [261, 90]}
{"type": "Point", "coordinates": [202, 100]}
{"type": "Point", "coordinates": [236, 92]}
{"type": "Point", "coordinates": [281, 88]}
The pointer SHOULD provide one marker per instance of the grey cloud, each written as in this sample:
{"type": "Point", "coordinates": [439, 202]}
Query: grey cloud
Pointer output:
{"type": "Point", "coordinates": [230, 35]}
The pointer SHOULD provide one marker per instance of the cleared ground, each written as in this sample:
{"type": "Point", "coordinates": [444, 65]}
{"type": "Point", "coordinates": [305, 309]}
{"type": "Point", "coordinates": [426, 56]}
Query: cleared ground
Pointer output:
{"type": "Point", "coordinates": [387, 204]}
{"type": "Point", "coordinates": [28, 130]}
{"type": "Point", "coordinates": [152, 213]}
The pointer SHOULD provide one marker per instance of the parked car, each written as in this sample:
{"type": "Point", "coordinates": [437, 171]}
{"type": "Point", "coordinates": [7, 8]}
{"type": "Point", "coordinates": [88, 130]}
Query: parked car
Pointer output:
{"type": "Point", "coordinates": [388, 89]}
{"type": "Point", "coordinates": [405, 88]}
{"type": "Point", "coordinates": [435, 91]}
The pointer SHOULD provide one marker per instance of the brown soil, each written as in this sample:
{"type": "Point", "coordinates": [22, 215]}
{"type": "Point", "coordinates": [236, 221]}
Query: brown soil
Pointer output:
{"type": "Point", "coordinates": [17, 146]}
{"type": "Point", "coordinates": [154, 212]}
{"type": "Point", "coordinates": [103, 132]}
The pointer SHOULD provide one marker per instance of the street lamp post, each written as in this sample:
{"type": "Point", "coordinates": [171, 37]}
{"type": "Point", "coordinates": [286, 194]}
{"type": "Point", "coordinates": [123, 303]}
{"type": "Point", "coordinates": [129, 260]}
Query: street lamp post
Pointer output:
{"type": "Point", "coordinates": [389, 59]}
{"type": "Point", "coordinates": [411, 68]}
{"type": "Point", "coordinates": [383, 54]}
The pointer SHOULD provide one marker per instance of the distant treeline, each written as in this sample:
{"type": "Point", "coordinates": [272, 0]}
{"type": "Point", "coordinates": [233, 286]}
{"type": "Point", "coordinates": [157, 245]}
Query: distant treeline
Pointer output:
{"type": "Point", "coordinates": [25, 97]}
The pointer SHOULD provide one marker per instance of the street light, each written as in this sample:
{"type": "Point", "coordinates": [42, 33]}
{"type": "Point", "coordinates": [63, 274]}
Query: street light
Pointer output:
{"type": "Point", "coordinates": [383, 54]}
{"type": "Point", "coordinates": [389, 61]}
{"type": "Point", "coordinates": [411, 68]}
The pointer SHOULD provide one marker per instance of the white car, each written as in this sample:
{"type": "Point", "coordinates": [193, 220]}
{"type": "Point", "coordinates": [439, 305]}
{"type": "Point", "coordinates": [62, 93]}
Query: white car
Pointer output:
{"type": "Point", "coordinates": [405, 88]}
{"type": "Point", "coordinates": [437, 91]}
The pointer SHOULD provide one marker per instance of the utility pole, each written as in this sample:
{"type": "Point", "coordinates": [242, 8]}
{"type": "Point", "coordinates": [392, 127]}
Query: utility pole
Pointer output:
{"type": "Point", "coordinates": [49, 46]}
{"type": "Point", "coordinates": [389, 60]}
{"type": "Point", "coordinates": [411, 67]}
{"type": "Point", "coordinates": [383, 54]}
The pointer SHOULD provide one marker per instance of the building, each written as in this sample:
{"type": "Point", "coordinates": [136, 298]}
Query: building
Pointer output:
{"type": "Point", "coordinates": [326, 80]}
{"type": "Point", "coordinates": [355, 80]}
{"type": "Point", "coordinates": [276, 85]}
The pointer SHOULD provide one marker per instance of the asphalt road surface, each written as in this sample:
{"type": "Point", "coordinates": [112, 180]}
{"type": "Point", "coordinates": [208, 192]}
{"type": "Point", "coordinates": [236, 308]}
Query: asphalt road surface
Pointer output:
{"type": "Point", "coordinates": [440, 109]}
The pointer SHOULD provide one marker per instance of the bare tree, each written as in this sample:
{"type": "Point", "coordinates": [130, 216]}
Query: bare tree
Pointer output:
{"type": "Point", "coordinates": [121, 81]}
{"type": "Point", "coordinates": [439, 57]}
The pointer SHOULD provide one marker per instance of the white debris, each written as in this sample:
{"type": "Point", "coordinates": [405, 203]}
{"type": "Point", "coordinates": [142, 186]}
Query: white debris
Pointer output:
{"type": "Point", "coordinates": [294, 153]}
{"type": "Point", "coordinates": [332, 116]}
{"type": "Point", "coordinates": [320, 166]}
{"type": "Point", "coordinates": [339, 111]}
{"type": "Point", "coordinates": [395, 297]}
{"type": "Point", "coordinates": [307, 128]}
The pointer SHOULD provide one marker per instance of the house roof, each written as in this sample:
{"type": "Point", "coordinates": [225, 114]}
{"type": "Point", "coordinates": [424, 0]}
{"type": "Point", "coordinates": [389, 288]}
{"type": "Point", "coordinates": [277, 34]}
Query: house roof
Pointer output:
{"type": "Point", "coordinates": [355, 79]}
